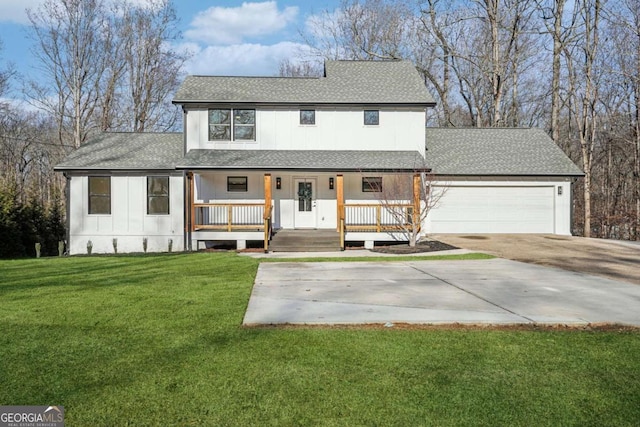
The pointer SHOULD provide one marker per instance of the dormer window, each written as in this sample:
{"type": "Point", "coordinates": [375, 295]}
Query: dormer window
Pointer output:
{"type": "Point", "coordinates": [371, 117]}
{"type": "Point", "coordinates": [232, 125]}
{"type": "Point", "coordinates": [307, 117]}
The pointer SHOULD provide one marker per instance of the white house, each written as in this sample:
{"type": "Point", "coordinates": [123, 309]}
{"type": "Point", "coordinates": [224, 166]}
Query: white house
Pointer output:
{"type": "Point", "coordinates": [259, 154]}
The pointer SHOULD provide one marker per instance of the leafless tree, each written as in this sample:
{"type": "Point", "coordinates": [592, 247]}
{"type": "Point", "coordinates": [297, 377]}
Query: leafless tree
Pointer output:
{"type": "Point", "coordinates": [398, 195]}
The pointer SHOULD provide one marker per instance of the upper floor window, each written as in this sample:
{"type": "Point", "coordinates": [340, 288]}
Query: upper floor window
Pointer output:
{"type": "Point", "coordinates": [158, 195]}
{"type": "Point", "coordinates": [100, 195]}
{"type": "Point", "coordinates": [307, 117]}
{"type": "Point", "coordinates": [226, 124]}
{"type": "Point", "coordinates": [371, 117]}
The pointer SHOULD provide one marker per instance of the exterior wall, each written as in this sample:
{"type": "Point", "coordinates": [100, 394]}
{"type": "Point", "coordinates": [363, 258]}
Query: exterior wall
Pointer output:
{"type": "Point", "coordinates": [455, 220]}
{"type": "Point", "coordinates": [128, 221]}
{"type": "Point", "coordinates": [335, 129]}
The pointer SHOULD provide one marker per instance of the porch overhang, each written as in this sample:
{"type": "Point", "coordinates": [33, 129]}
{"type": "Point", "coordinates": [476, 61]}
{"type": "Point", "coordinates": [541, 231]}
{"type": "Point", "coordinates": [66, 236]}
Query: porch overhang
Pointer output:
{"type": "Point", "coordinates": [304, 160]}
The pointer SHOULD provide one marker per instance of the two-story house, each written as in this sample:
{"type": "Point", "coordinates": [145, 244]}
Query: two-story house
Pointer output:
{"type": "Point", "coordinates": [259, 154]}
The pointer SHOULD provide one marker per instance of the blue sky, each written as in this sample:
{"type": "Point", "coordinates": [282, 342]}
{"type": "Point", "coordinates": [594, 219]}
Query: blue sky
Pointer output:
{"type": "Point", "coordinates": [226, 37]}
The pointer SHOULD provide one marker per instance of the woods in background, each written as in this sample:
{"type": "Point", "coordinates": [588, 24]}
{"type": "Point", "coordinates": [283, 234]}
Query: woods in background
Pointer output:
{"type": "Point", "coordinates": [572, 68]}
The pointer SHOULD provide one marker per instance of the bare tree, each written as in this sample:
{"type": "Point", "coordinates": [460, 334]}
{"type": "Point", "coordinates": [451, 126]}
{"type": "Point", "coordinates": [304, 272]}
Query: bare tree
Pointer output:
{"type": "Point", "coordinates": [399, 195]}
{"type": "Point", "coordinates": [583, 94]}
{"type": "Point", "coordinates": [69, 46]}
{"type": "Point", "coordinates": [153, 68]}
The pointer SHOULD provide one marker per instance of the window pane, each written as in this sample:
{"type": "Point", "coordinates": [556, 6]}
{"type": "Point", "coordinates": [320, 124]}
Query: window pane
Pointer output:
{"type": "Point", "coordinates": [307, 117]}
{"type": "Point", "coordinates": [244, 117]}
{"type": "Point", "coordinates": [158, 185]}
{"type": "Point", "coordinates": [372, 184]}
{"type": "Point", "coordinates": [220, 117]}
{"type": "Point", "coordinates": [220, 133]}
{"type": "Point", "coordinates": [371, 117]}
{"type": "Point", "coordinates": [244, 132]}
{"type": "Point", "coordinates": [158, 205]}
{"type": "Point", "coordinates": [100, 185]}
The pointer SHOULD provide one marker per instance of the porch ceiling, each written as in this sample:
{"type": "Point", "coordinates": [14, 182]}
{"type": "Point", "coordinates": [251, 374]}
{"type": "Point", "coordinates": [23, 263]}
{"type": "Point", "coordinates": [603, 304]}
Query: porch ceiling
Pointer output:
{"type": "Point", "coordinates": [318, 160]}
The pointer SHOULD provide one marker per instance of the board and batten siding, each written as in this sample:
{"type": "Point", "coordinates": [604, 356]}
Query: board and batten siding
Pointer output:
{"type": "Point", "coordinates": [400, 129]}
{"type": "Point", "coordinates": [128, 221]}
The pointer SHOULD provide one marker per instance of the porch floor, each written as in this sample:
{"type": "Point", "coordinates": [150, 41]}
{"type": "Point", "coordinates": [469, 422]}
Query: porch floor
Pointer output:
{"type": "Point", "coordinates": [305, 241]}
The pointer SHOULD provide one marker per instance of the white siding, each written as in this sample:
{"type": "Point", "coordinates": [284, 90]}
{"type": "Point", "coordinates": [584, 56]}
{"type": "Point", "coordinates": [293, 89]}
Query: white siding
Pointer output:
{"type": "Point", "coordinates": [502, 207]}
{"type": "Point", "coordinates": [128, 222]}
{"type": "Point", "coordinates": [335, 129]}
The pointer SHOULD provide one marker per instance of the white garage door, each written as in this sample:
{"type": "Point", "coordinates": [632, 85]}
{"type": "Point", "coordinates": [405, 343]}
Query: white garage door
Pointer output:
{"type": "Point", "coordinates": [494, 210]}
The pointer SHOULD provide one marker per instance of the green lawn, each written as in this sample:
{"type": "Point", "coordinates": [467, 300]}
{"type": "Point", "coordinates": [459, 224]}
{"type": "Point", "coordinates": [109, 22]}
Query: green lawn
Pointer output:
{"type": "Point", "coordinates": [156, 340]}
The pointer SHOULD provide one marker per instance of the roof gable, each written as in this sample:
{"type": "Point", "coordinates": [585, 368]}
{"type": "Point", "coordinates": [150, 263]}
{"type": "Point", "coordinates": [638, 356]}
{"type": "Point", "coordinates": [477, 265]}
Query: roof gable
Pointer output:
{"type": "Point", "coordinates": [346, 82]}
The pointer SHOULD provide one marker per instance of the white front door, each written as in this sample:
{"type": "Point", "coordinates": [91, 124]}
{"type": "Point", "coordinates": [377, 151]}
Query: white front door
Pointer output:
{"type": "Point", "coordinates": [305, 203]}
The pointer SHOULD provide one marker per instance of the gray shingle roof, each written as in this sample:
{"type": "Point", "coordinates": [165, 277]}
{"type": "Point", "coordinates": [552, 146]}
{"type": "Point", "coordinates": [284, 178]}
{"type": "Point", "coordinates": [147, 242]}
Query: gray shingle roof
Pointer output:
{"type": "Point", "coordinates": [346, 82]}
{"type": "Point", "coordinates": [126, 151]}
{"type": "Point", "coordinates": [496, 151]}
{"type": "Point", "coordinates": [350, 160]}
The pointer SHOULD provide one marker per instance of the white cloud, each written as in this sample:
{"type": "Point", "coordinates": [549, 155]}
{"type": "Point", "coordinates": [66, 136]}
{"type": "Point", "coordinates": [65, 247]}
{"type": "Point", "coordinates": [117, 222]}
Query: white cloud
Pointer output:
{"type": "Point", "coordinates": [231, 25]}
{"type": "Point", "coordinates": [241, 59]}
{"type": "Point", "coordinates": [15, 10]}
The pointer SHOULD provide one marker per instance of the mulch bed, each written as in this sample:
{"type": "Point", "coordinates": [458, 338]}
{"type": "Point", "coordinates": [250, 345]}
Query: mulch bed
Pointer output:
{"type": "Point", "coordinates": [422, 246]}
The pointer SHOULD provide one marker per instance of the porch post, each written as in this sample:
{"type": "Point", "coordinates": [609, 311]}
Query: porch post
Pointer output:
{"type": "Point", "coordinates": [190, 210]}
{"type": "Point", "coordinates": [417, 182]}
{"type": "Point", "coordinates": [340, 199]}
{"type": "Point", "coordinates": [267, 211]}
{"type": "Point", "coordinates": [267, 194]}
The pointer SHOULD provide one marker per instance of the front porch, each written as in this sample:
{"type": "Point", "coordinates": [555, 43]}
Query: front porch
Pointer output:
{"type": "Point", "coordinates": [301, 201]}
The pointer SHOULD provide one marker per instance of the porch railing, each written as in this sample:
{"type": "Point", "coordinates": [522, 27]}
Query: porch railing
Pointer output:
{"type": "Point", "coordinates": [229, 216]}
{"type": "Point", "coordinates": [377, 217]}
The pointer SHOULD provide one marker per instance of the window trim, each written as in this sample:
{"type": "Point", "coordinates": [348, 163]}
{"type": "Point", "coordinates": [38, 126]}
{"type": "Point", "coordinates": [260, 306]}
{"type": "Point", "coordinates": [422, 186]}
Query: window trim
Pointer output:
{"type": "Point", "coordinates": [377, 121]}
{"type": "Point", "coordinates": [369, 184]}
{"type": "Point", "coordinates": [245, 185]}
{"type": "Point", "coordinates": [308, 110]}
{"type": "Point", "coordinates": [91, 195]}
{"type": "Point", "coordinates": [232, 125]}
{"type": "Point", "coordinates": [168, 195]}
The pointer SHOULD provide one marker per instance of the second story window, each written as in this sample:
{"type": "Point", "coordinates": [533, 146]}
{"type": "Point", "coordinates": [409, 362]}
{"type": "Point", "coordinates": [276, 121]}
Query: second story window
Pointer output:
{"type": "Point", "coordinates": [307, 117]}
{"type": "Point", "coordinates": [371, 117]}
{"type": "Point", "coordinates": [232, 125]}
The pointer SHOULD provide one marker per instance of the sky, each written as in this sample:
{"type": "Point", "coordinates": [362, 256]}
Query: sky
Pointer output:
{"type": "Point", "coordinates": [226, 37]}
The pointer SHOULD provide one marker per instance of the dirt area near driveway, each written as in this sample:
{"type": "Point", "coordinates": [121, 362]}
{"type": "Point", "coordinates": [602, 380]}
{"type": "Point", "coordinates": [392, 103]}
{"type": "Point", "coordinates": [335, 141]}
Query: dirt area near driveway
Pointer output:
{"type": "Point", "coordinates": [618, 261]}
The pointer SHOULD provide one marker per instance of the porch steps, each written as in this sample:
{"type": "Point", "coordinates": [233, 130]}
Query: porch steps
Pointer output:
{"type": "Point", "coordinates": [305, 241]}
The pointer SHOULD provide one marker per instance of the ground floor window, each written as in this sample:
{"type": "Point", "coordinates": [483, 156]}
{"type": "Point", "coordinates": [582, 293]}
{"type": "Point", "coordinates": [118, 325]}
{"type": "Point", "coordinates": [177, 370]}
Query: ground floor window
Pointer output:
{"type": "Point", "coordinates": [372, 184]}
{"type": "Point", "coordinates": [158, 195]}
{"type": "Point", "coordinates": [100, 195]}
{"type": "Point", "coordinates": [237, 184]}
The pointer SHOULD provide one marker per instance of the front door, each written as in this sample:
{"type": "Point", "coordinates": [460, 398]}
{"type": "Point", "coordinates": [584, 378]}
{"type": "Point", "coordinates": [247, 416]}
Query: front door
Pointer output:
{"type": "Point", "coordinates": [305, 203]}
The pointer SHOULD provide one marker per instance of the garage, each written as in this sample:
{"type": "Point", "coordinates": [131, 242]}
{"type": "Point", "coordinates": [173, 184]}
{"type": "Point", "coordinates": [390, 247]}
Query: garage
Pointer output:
{"type": "Point", "coordinates": [495, 209]}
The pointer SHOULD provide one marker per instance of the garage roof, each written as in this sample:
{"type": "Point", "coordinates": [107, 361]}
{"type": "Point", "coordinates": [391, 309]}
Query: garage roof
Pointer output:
{"type": "Point", "coordinates": [496, 151]}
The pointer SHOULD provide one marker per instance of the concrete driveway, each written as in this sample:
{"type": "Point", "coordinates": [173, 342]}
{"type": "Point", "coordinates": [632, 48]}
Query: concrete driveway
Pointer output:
{"type": "Point", "coordinates": [616, 260]}
{"type": "Point", "coordinates": [496, 291]}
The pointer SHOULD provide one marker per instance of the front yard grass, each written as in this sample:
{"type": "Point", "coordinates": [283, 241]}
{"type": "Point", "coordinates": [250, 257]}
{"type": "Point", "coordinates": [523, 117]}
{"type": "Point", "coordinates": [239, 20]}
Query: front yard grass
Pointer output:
{"type": "Point", "coordinates": [156, 340]}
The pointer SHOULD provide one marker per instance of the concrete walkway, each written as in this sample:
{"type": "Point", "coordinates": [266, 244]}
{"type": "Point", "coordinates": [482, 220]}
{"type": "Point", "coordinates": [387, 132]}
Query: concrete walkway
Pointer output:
{"type": "Point", "coordinates": [496, 291]}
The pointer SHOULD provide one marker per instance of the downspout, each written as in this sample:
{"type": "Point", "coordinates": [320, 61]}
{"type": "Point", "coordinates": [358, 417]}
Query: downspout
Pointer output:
{"type": "Point", "coordinates": [187, 187]}
{"type": "Point", "coordinates": [67, 209]}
